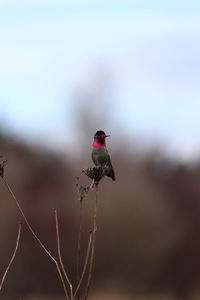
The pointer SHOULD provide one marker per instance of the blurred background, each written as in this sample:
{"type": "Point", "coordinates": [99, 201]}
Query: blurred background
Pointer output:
{"type": "Point", "coordinates": [130, 68]}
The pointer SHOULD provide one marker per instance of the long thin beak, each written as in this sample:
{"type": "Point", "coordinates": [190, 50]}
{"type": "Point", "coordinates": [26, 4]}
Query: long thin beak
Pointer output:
{"type": "Point", "coordinates": [107, 135]}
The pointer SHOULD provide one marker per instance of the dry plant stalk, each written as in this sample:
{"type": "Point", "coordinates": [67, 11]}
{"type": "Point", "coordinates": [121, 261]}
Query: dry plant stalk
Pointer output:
{"type": "Point", "coordinates": [78, 260]}
{"type": "Point", "coordinates": [36, 237]}
{"type": "Point", "coordinates": [60, 256]}
{"type": "Point", "coordinates": [83, 192]}
{"type": "Point", "coordinates": [85, 265]}
{"type": "Point", "coordinates": [12, 258]}
{"type": "Point", "coordinates": [88, 284]}
{"type": "Point", "coordinates": [96, 174]}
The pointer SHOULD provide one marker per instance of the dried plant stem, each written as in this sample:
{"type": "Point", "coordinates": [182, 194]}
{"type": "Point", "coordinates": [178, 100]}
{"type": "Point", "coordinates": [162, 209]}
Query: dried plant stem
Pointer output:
{"type": "Point", "coordinates": [36, 237]}
{"type": "Point", "coordinates": [12, 258]}
{"type": "Point", "coordinates": [85, 265]}
{"type": "Point", "coordinates": [60, 256]}
{"type": "Point", "coordinates": [93, 244]}
{"type": "Point", "coordinates": [78, 262]}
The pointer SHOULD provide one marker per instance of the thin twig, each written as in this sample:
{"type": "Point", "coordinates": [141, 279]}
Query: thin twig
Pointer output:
{"type": "Point", "coordinates": [36, 237]}
{"type": "Point", "coordinates": [60, 256]}
{"type": "Point", "coordinates": [12, 258]}
{"type": "Point", "coordinates": [93, 244]}
{"type": "Point", "coordinates": [85, 265]}
{"type": "Point", "coordinates": [78, 262]}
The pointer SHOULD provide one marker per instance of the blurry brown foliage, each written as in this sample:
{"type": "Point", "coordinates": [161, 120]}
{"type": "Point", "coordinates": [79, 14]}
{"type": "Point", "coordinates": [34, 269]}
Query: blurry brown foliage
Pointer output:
{"type": "Point", "coordinates": [148, 230]}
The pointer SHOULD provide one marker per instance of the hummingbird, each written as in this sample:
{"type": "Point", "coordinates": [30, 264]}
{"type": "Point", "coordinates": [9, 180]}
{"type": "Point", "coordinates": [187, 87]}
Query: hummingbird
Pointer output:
{"type": "Point", "coordinates": [100, 154]}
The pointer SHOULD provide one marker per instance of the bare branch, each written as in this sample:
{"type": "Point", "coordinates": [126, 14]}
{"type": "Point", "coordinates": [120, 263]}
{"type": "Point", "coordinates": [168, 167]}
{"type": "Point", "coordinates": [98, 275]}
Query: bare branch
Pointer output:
{"type": "Point", "coordinates": [35, 236]}
{"type": "Point", "coordinates": [85, 265]}
{"type": "Point", "coordinates": [93, 244]}
{"type": "Point", "coordinates": [78, 262]}
{"type": "Point", "coordinates": [60, 257]}
{"type": "Point", "coordinates": [83, 191]}
{"type": "Point", "coordinates": [12, 258]}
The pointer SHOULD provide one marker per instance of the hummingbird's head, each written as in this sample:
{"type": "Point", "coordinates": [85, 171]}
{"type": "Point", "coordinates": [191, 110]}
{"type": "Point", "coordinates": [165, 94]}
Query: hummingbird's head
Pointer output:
{"type": "Point", "coordinates": [99, 138]}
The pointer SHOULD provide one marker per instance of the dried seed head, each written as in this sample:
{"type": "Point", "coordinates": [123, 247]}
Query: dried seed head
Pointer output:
{"type": "Point", "coordinates": [96, 173]}
{"type": "Point", "coordinates": [83, 190]}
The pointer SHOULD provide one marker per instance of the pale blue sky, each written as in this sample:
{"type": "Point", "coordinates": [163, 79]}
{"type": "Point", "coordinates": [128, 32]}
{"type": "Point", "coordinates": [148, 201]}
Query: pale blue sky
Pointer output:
{"type": "Point", "coordinates": [48, 49]}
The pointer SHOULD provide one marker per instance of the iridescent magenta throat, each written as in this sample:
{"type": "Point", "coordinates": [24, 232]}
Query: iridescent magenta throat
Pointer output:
{"type": "Point", "coordinates": [96, 143]}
